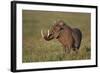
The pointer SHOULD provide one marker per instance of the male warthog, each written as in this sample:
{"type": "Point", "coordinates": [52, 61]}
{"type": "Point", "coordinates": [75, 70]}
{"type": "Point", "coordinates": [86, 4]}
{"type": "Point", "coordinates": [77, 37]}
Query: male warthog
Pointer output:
{"type": "Point", "coordinates": [70, 38]}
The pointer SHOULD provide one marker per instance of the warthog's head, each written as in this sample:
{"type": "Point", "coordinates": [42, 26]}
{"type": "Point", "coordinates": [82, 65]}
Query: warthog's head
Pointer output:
{"type": "Point", "coordinates": [54, 31]}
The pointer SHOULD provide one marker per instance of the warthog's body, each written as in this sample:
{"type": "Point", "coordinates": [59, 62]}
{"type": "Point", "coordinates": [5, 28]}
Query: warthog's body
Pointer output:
{"type": "Point", "coordinates": [67, 36]}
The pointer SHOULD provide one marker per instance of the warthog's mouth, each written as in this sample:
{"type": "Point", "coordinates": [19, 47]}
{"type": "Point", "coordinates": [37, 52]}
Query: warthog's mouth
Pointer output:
{"type": "Point", "coordinates": [47, 36]}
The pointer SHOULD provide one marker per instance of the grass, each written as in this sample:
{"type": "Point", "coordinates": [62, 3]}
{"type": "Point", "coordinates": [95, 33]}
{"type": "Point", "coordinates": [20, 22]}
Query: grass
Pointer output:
{"type": "Point", "coordinates": [36, 49]}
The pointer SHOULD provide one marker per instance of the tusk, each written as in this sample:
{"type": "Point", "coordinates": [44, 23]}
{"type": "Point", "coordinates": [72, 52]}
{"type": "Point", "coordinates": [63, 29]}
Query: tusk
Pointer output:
{"type": "Point", "coordinates": [48, 32]}
{"type": "Point", "coordinates": [42, 33]}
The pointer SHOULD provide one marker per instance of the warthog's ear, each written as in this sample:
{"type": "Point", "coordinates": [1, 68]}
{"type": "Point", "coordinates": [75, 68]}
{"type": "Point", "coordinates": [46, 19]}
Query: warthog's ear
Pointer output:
{"type": "Point", "coordinates": [61, 23]}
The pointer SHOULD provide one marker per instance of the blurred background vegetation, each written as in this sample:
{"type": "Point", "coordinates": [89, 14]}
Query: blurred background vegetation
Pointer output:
{"type": "Point", "coordinates": [36, 49]}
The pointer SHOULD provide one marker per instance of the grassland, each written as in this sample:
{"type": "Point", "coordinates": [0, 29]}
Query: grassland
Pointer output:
{"type": "Point", "coordinates": [36, 49]}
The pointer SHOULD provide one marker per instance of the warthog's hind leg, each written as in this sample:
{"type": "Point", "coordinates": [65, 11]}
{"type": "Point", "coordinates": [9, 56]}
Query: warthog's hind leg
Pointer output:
{"type": "Point", "coordinates": [75, 50]}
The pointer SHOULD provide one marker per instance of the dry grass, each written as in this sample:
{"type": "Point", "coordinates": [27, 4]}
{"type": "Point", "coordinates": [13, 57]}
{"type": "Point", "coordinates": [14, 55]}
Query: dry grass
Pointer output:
{"type": "Point", "coordinates": [36, 49]}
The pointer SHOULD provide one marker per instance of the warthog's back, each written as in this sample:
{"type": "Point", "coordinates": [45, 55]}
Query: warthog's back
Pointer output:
{"type": "Point", "coordinates": [77, 35]}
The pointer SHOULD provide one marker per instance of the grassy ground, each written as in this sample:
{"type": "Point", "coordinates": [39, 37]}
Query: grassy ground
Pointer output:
{"type": "Point", "coordinates": [36, 49]}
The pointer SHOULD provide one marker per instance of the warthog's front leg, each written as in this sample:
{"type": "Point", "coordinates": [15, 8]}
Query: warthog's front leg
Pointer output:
{"type": "Point", "coordinates": [67, 50]}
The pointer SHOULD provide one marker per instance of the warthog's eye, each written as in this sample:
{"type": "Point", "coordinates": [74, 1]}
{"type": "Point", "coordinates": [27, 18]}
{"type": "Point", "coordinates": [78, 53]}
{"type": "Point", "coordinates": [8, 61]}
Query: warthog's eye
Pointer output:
{"type": "Point", "coordinates": [61, 28]}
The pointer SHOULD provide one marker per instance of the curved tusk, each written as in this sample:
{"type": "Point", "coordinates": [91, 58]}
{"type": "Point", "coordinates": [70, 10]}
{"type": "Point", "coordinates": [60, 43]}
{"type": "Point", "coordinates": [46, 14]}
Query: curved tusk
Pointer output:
{"type": "Point", "coordinates": [42, 33]}
{"type": "Point", "coordinates": [48, 32]}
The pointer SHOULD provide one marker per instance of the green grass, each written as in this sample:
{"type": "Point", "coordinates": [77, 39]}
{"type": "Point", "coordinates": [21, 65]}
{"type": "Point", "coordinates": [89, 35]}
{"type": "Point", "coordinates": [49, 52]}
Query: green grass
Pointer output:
{"type": "Point", "coordinates": [36, 49]}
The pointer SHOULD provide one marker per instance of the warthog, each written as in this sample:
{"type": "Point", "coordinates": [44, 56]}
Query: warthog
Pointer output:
{"type": "Point", "coordinates": [70, 38]}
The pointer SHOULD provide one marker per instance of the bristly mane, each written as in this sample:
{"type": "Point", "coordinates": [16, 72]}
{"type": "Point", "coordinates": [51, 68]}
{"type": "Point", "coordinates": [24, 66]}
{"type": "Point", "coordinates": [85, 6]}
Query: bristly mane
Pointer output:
{"type": "Point", "coordinates": [64, 24]}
